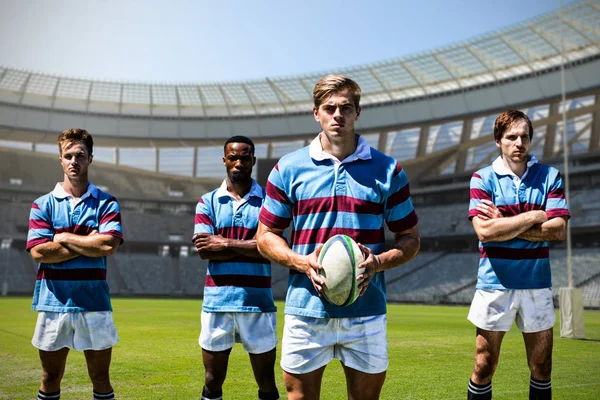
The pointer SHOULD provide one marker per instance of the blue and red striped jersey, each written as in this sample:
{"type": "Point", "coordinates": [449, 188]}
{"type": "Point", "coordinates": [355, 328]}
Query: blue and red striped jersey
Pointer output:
{"type": "Point", "coordinates": [240, 284]}
{"type": "Point", "coordinates": [322, 197]}
{"type": "Point", "coordinates": [78, 284]}
{"type": "Point", "coordinates": [517, 263]}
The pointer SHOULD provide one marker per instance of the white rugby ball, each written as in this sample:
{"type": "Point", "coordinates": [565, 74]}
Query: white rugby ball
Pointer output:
{"type": "Point", "coordinates": [340, 257]}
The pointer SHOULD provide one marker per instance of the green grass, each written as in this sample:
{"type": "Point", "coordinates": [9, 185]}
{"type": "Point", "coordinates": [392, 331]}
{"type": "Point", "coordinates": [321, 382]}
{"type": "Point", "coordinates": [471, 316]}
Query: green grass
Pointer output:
{"type": "Point", "coordinates": [431, 356]}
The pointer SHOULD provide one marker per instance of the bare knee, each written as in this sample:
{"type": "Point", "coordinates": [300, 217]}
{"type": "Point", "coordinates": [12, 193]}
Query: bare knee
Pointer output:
{"type": "Point", "coordinates": [214, 380]}
{"type": "Point", "coordinates": [51, 379]}
{"type": "Point", "coordinates": [541, 369]}
{"type": "Point", "coordinates": [100, 381]}
{"type": "Point", "coordinates": [485, 366]}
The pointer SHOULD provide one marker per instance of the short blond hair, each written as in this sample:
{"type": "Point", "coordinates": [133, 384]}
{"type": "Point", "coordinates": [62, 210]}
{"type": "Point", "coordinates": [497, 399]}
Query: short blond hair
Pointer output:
{"type": "Point", "coordinates": [76, 135]}
{"type": "Point", "coordinates": [335, 83]}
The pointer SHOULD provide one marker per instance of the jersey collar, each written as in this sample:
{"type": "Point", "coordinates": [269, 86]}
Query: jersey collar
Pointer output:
{"type": "Point", "coordinates": [500, 168]}
{"type": "Point", "coordinates": [362, 152]}
{"type": "Point", "coordinates": [59, 191]}
{"type": "Point", "coordinates": [255, 190]}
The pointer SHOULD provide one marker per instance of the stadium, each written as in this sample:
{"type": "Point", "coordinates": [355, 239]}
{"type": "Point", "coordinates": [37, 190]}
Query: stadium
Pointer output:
{"type": "Point", "coordinates": [158, 149]}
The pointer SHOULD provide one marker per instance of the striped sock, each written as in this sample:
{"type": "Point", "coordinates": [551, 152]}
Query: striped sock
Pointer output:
{"type": "Point", "coordinates": [104, 396]}
{"type": "Point", "coordinates": [208, 395]}
{"type": "Point", "coordinates": [540, 390]}
{"type": "Point", "coordinates": [48, 396]}
{"type": "Point", "coordinates": [268, 395]}
{"type": "Point", "coordinates": [479, 392]}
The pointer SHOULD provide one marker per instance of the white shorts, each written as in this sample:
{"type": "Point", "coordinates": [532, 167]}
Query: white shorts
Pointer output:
{"type": "Point", "coordinates": [496, 310]}
{"type": "Point", "coordinates": [310, 343]}
{"type": "Point", "coordinates": [93, 330]}
{"type": "Point", "coordinates": [256, 331]}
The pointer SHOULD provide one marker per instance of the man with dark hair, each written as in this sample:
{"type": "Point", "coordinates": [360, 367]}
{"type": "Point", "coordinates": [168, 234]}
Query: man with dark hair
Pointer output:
{"type": "Point", "coordinates": [71, 232]}
{"type": "Point", "coordinates": [336, 185]}
{"type": "Point", "coordinates": [238, 302]}
{"type": "Point", "coordinates": [517, 206]}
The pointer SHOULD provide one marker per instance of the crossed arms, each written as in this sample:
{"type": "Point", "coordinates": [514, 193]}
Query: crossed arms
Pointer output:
{"type": "Point", "coordinates": [217, 247]}
{"type": "Point", "coordinates": [67, 246]}
{"type": "Point", "coordinates": [492, 226]}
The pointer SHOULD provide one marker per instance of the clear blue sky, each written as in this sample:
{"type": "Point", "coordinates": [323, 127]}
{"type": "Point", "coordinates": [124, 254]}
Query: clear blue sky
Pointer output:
{"type": "Point", "coordinates": [206, 41]}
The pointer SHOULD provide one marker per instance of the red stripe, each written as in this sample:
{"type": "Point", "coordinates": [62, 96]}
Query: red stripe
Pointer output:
{"type": "Point", "coordinates": [110, 217]}
{"type": "Point", "coordinates": [480, 194]}
{"type": "Point", "coordinates": [476, 175]}
{"type": "Point", "coordinates": [398, 169]}
{"type": "Point", "coordinates": [77, 274]}
{"type": "Point", "coordinates": [236, 232]}
{"type": "Point", "coordinates": [273, 221]}
{"type": "Point", "coordinates": [558, 212]}
{"type": "Point", "coordinates": [277, 166]}
{"type": "Point", "coordinates": [508, 210]}
{"type": "Point", "coordinates": [82, 230]}
{"type": "Point", "coordinates": [514, 254]}
{"type": "Point", "coordinates": [39, 224]}
{"type": "Point", "coordinates": [474, 212]}
{"type": "Point", "coordinates": [531, 207]}
{"type": "Point", "coordinates": [312, 236]}
{"type": "Point", "coordinates": [557, 194]}
{"type": "Point", "coordinates": [238, 280]}
{"type": "Point", "coordinates": [34, 242]}
{"type": "Point", "coordinates": [35, 206]}
{"type": "Point", "coordinates": [399, 197]}
{"type": "Point", "coordinates": [203, 219]}
{"type": "Point", "coordinates": [336, 204]}
{"type": "Point", "coordinates": [276, 194]}
{"type": "Point", "coordinates": [404, 224]}
{"type": "Point", "coordinates": [113, 233]}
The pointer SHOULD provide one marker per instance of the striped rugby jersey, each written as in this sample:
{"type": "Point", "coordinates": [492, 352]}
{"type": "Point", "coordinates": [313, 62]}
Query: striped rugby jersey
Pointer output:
{"type": "Point", "coordinates": [322, 197]}
{"type": "Point", "coordinates": [517, 263]}
{"type": "Point", "coordinates": [79, 284]}
{"type": "Point", "coordinates": [240, 284]}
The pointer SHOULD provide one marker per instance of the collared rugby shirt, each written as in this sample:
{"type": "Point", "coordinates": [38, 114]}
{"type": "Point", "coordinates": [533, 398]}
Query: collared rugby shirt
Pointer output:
{"type": "Point", "coordinates": [240, 284]}
{"type": "Point", "coordinates": [517, 263]}
{"type": "Point", "coordinates": [78, 284]}
{"type": "Point", "coordinates": [322, 197]}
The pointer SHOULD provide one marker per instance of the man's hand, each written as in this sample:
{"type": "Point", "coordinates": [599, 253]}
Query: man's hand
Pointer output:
{"type": "Point", "coordinates": [371, 264]}
{"type": "Point", "coordinates": [489, 210]}
{"type": "Point", "coordinates": [208, 242]}
{"type": "Point", "coordinates": [311, 269]}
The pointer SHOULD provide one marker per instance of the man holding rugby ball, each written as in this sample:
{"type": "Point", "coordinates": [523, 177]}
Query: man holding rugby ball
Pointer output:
{"type": "Point", "coordinates": [336, 185]}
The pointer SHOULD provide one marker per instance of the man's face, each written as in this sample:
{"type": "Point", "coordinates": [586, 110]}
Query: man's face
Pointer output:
{"type": "Point", "coordinates": [516, 142]}
{"type": "Point", "coordinates": [238, 160]}
{"type": "Point", "coordinates": [75, 159]}
{"type": "Point", "coordinates": [337, 115]}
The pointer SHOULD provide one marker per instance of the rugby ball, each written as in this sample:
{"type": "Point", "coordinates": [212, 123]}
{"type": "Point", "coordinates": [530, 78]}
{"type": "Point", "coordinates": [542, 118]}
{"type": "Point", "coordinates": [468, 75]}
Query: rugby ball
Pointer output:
{"type": "Point", "coordinates": [340, 257]}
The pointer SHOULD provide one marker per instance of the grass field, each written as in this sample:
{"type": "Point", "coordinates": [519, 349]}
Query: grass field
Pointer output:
{"type": "Point", "coordinates": [431, 356]}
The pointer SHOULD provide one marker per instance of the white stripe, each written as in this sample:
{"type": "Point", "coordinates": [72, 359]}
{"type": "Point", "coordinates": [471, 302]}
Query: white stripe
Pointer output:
{"type": "Point", "coordinates": [540, 385]}
{"type": "Point", "coordinates": [478, 390]}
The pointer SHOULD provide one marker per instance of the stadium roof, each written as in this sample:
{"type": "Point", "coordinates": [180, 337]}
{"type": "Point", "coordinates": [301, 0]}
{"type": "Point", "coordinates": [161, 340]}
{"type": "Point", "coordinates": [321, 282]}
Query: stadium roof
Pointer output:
{"type": "Point", "coordinates": [527, 48]}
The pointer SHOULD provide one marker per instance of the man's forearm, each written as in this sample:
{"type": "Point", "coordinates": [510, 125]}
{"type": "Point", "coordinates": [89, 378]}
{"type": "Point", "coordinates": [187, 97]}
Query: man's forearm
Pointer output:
{"type": "Point", "coordinates": [405, 249]}
{"type": "Point", "coordinates": [52, 253]}
{"type": "Point", "coordinates": [507, 228]}
{"type": "Point", "coordinates": [554, 229]}
{"type": "Point", "coordinates": [275, 248]}
{"type": "Point", "coordinates": [98, 245]}
{"type": "Point", "coordinates": [246, 248]}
